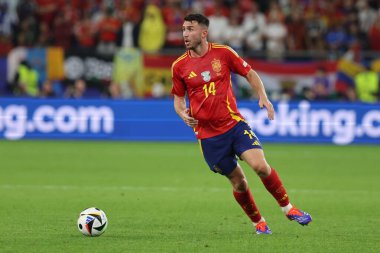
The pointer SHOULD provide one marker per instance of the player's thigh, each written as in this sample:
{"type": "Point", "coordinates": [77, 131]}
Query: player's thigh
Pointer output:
{"type": "Point", "coordinates": [218, 154]}
{"type": "Point", "coordinates": [255, 158]}
{"type": "Point", "coordinates": [244, 139]}
{"type": "Point", "coordinates": [248, 147]}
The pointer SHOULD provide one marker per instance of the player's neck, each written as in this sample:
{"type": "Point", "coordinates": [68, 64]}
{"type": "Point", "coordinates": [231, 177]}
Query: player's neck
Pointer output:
{"type": "Point", "coordinates": [200, 51]}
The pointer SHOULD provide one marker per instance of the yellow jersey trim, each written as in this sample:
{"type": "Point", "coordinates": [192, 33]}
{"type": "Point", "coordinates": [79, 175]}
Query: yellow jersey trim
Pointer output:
{"type": "Point", "coordinates": [232, 113]}
{"type": "Point", "coordinates": [200, 145]}
{"type": "Point", "coordinates": [178, 59]}
{"type": "Point", "coordinates": [226, 47]}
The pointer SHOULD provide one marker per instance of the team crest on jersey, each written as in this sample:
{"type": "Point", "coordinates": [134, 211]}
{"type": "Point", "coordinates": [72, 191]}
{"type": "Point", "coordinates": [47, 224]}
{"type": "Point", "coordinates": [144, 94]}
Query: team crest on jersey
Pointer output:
{"type": "Point", "coordinates": [206, 76]}
{"type": "Point", "coordinates": [216, 65]}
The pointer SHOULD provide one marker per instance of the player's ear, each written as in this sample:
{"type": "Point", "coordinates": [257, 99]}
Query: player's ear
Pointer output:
{"type": "Point", "coordinates": [204, 33]}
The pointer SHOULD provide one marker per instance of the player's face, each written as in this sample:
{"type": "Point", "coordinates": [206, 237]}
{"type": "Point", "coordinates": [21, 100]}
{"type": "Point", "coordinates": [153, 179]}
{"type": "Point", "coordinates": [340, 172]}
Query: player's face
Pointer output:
{"type": "Point", "coordinates": [193, 33]}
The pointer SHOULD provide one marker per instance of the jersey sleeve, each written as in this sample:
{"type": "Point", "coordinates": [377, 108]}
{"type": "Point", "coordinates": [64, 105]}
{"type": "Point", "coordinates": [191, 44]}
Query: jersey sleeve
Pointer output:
{"type": "Point", "coordinates": [178, 88]}
{"type": "Point", "coordinates": [237, 64]}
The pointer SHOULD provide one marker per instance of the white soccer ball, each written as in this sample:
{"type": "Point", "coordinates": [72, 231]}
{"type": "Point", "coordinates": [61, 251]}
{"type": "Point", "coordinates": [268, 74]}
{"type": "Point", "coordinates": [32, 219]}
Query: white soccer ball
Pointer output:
{"type": "Point", "coordinates": [92, 222]}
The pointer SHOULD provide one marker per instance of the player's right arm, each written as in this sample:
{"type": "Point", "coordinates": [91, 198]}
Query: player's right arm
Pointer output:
{"type": "Point", "coordinates": [179, 92]}
{"type": "Point", "coordinates": [183, 112]}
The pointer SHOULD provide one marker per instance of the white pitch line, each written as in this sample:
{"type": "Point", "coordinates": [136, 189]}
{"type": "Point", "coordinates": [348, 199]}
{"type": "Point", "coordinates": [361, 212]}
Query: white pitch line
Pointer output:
{"type": "Point", "coordinates": [123, 187]}
{"type": "Point", "coordinates": [171, 189]}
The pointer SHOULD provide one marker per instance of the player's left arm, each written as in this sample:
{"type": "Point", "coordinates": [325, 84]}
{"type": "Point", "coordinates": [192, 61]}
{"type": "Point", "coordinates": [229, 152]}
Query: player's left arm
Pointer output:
{"type": "Point", "coordinates": [255, 81]}
{"type": "Point", "coordinates": [239, 66]}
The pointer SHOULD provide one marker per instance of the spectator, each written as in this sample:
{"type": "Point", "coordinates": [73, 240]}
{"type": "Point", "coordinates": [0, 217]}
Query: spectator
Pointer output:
{"type": "Point", "coordinates": [77, 90]}
{"type": "Point", "coordinates": [25, 9]}
{"type": "Point", "coordinates": [234, 33]}
{"type": "Point", "coordinates": [198, 6]}
{"type": "Point", "coordinates": [5, 45]}
{"type": "Point", "coordinates": [217, 24]}
{"type": "Point", "coordinates": [306, 94]}
{"type": "Point", "coordinates": [374, 35]}
{"type": "Point", "coordinates": [84, 32]}
{"type": "Point", "coordinates": [152, 30]}
{"type": "Point", "coordinates": [347, 8]}
{"type": "Point", "coordinates": [315, 28]}
{"type": "Point", "coordinates": [367, 85]}
{"type": "Point", "coordinates": [296, 31]}
{"type": "Point", "coordinates": [275, 34]}
{"type": "Point", "coordinates": [336, 40]}
{"type": "Point", "coordinates": [98, 12]}
{"type": "Point", "coordinates": [62, 32]}
{"type": "Point", "coordinates": [114, 91]}
{"type": "Point", "coordinates": [44, 38]}
{"type": "Point", "coordinates": [47, 10]}
{"type": "Point", "coordinates": [288, 6]}
{"type": "Point", "coordinates": [330, 14]}
{"type": "Point", "coordinates": [26, 32]}
{"type": "Point", "coordinates": [47, 90]}
{"type": "Point", "coordinates": [6, 19]}
{"type": "Point", "coordinates": [275, 11]}
{"type": "Point", "coordinates": [173, 17]}
{"type": "Point", "coordinates": [128, 72]}
{"type": "Point", "coordinates": [312, 9]}
{"type": "Point", "coordinates": [215, 6]}
{"type": "Point", "coordinates": [109, 29]}
{"type": "Point", "coordinates": [131, 10]}
{"type": "Point", "coordinates": [158, 90]}
{"type": "Point", "coordinates": [287, 90]}
{"type": "Point", "coordinates": [367, 15]}
{"type": "Point", "coordinates": [63, 26]}
{"type": "Point", "coordinates": [355, 35]}
{"type": "Point", "coordinates": [245, 6]}
{"type": "Point", "coordinates": [26, 81]}
{"type": "Point", "coordinates": [131, 14]}
{"type": "Point", "coordinates": [349, 12]}
{"type": "Point", "coordinates": [321, 85]}
{"type": "Point", "coordinates": [254, 24]}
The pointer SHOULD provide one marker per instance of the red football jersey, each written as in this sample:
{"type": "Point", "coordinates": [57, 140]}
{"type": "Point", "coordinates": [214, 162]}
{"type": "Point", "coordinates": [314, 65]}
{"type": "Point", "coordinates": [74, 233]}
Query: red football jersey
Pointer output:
{"type": "Point", "coordinates": [207, 82]}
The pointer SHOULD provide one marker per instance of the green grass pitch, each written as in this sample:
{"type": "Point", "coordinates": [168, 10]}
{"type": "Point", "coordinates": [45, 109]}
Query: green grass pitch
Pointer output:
{"type": "Point", "coordinates": [161, 197]}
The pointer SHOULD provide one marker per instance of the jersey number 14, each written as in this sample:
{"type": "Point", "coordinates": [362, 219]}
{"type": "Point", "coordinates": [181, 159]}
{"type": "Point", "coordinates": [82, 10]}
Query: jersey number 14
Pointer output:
{"type": "Point", "coordinates": [209, 88]}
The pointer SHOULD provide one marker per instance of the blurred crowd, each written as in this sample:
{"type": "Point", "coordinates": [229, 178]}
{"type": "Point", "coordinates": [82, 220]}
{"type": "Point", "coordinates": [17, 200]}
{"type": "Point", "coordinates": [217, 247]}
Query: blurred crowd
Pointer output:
{"type": "Point", "coordinates": [248, 25]}
{"type": "Point", "coordinates": [330, 27]}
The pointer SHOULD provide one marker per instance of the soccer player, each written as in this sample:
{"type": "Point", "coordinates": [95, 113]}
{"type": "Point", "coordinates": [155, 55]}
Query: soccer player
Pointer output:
{"type": "Point", "coordinates": [203, 73]}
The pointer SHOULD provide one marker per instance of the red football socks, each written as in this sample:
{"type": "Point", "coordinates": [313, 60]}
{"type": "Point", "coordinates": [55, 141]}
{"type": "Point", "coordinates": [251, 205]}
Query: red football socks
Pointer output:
{"type": "Point", "coordinates": [275, 187]}
{"type": "Point", "coordinates": [245, 200]}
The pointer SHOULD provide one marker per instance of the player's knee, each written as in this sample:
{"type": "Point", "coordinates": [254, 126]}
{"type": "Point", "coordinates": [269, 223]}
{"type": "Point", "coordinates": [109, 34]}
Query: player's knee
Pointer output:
{"type": "Point", "coordinates": [241, 185]}
{"type": "Point", "coordinates": [262, 169]}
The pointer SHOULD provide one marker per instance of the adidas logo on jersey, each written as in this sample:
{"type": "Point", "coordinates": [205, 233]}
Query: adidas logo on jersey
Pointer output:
{"type": "Point", "coordinates": [191, 75]}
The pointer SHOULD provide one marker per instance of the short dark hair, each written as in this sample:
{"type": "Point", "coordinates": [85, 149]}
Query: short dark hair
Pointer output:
{"type": "Point", "coordinates": [197, 17]}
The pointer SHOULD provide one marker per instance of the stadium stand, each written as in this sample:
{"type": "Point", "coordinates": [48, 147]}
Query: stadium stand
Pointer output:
{"type": "Point", "coordinates": [330, 42]}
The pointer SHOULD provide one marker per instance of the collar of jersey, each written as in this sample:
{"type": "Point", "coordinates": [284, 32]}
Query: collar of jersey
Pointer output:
{"type": "Point", "coordinates": [208, 50]}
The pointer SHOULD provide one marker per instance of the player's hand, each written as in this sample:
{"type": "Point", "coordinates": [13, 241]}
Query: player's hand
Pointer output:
{"type": "Point", "coordinates": [190, 121]}
{"type": "Point", "coordinates": [267, 104]}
